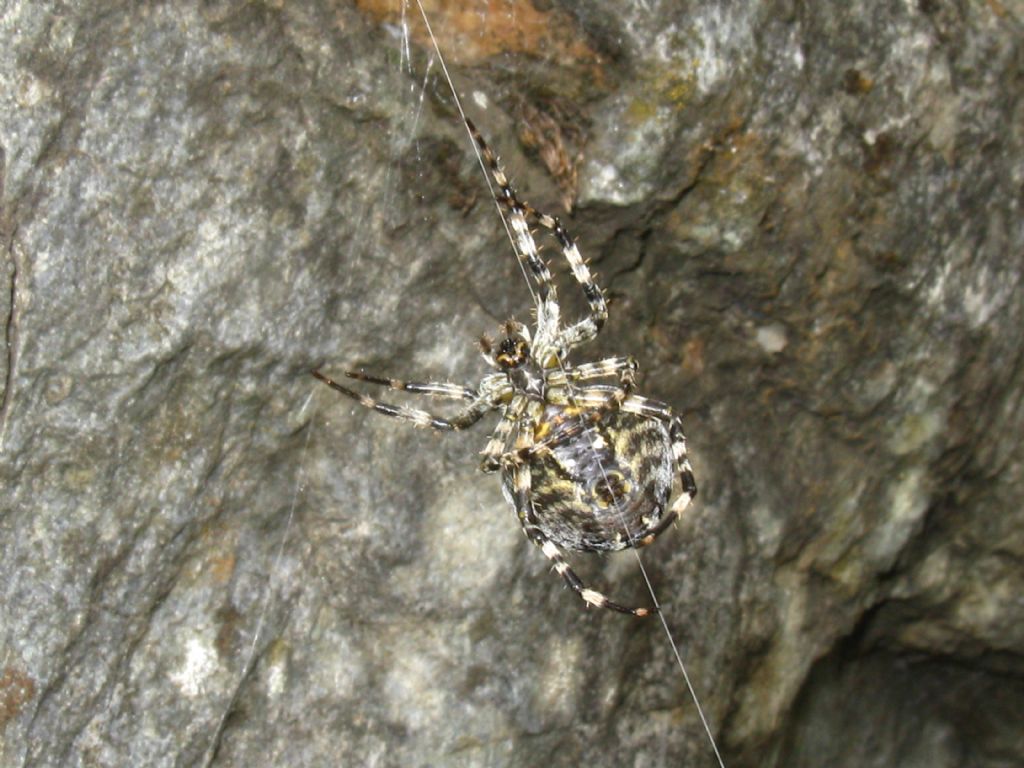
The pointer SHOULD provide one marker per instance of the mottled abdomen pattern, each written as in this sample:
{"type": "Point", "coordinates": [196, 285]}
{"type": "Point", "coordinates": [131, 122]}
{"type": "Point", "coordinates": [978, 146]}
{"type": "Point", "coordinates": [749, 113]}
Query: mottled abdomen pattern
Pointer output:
{"type": "Point", "coordinates": [604, 488]}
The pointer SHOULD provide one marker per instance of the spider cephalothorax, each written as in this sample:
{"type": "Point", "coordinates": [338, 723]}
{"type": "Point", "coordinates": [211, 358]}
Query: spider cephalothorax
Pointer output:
{"type": "Point", "coordinates": [586, 466]}
{"type": "Point", "coordinates": [513, 357]}
{"type": "Point", "coordinates": [512, 353]}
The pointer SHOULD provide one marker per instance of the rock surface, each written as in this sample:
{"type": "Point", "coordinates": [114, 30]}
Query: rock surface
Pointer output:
{"type": "Point", "coordinates": [808, 220]}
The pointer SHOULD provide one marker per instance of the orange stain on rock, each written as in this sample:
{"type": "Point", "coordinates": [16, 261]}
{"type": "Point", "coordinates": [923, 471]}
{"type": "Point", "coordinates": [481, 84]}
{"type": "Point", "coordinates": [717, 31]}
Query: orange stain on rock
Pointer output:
{"type": "Point", "coordinates": [16, 688]}
{"type": "Point", "coordinates": [693, 356]}
{"type": "Point", "coordinates": [223, 567]}
{"type": "Point", "coordinates": [471, 32]}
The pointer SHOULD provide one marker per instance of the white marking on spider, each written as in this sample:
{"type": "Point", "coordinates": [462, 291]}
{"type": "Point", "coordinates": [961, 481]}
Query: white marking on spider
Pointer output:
{"type": "Point", "coordinates": [550, 550]}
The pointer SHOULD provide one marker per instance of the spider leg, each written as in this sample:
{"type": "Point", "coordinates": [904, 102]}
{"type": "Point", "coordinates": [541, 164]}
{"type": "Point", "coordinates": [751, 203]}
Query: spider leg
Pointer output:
{"type": "Point", "coordinates": [497, 446]}
{"type": "Point", "coordinates": [683, 468]}
{"type": "Point", "coordinates": [471, 414]}
{"type": "Point", "coordinates": [524, 509]}
{"type": "Point", "coordinates": [624, 367]}
{"type": "Point", "coordinates": [526, 248]}
{"type": "Point", "coordinates": [433, 389]}
{"type": "Point", "coordinates": [587, 328]}
{"type": "Point", "coordinates": [525, 245]}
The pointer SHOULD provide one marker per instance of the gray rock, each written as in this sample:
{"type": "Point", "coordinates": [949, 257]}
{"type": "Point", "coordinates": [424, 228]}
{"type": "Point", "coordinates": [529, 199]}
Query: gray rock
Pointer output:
{"type": "Point", "coordinates": [808, 221]}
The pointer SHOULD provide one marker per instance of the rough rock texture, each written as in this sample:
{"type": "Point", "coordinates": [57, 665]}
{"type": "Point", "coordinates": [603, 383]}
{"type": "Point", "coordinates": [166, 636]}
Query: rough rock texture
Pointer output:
{"type": "Point", "coordinates": [808, 219]}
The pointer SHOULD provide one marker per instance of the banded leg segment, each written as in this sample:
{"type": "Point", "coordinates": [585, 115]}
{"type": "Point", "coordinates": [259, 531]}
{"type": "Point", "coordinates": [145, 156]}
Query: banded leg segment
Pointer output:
{"type": "Point", "coordinates": [597, 394]}
{"type": "Point", "coordinates": [498, 444]}
{"type": "Point", "coordinates": [433, 389]}
{"type": "Point", "coordinates": [683, 467]}
{"type": "Point", "coordinates": [465, 418]}
{"type": "Point", "coordinates": [587, 328]}
{"type": "Point", "coordinates": [611, 366]}
{"type": "Point", "coordinates": [525, 245]}
{"type": "Point", "coordinates": [524, 510]}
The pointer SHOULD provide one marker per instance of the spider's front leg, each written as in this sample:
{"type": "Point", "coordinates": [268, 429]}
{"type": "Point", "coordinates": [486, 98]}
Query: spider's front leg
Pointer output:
{"type": "Point", "coordinates": [433, 389]}
{"type": "Point", "coordinates": [587, 328]}
{"type": "Point", "coordinates": [522, 240]}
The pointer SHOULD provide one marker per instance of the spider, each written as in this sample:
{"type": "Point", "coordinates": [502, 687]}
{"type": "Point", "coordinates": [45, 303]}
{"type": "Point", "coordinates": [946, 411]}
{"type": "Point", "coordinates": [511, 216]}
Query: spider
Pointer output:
{"type": "Point", "coordinates": [586, 466]}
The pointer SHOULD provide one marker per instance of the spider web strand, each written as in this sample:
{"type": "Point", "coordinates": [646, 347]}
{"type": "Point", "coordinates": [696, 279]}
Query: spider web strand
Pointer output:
{"type": "Point", "coordinates": [476, 149]}
{"type": "Point", "coordinates": [250, 658]}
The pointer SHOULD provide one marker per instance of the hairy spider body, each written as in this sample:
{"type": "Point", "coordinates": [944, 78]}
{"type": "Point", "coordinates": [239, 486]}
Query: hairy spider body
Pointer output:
{"type": "Point", "coordinates": [587, 467]}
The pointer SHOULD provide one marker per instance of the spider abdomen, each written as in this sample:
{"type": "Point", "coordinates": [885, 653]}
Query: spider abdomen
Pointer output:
{"type": "Point", "coordinates": [602, 488]}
